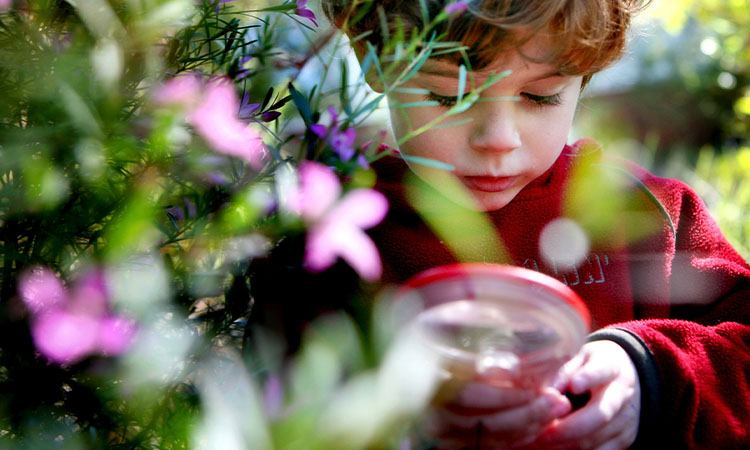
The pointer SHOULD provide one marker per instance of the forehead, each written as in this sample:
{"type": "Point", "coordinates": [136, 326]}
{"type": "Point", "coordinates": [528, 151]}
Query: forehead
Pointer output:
{"type": "Point", "coordinates": [532, 59]}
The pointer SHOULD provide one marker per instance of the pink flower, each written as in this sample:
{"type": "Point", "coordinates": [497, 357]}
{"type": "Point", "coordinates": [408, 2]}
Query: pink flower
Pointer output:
{"type": "Point", "coordinates": [456, 7]}
{"type": "Point", "coordinates": [216, 120]}
{"type": "Point", "coordinates": [182, 90]}
{"type": "Point", "coordinates": [115, 334]}
{"type": "Point", "coordinates": [66, 328]}
{"type": "Point", "coordinates": [41, 290]}
{"type": "Point", "coordinates": [64, 338]}
{"type": "Point", "coordinates": [5, 4]}
{"type": "Point", "coordinates": [336, 228]}
{"type": "Point", "coordinates": [303, 11]}
{"type": "Point", "coordinates": [273, 396]}
{"type": "Point", "coordinates": [212, 109]}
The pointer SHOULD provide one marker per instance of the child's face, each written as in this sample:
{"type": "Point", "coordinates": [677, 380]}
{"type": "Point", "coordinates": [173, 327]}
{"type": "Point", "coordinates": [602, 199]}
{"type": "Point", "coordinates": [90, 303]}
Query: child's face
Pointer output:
{"type": "Point", "coordinates": [507, 144]}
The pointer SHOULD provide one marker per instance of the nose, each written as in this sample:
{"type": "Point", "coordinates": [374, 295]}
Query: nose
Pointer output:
{"type": "Point", "coordinates": [497, 130]}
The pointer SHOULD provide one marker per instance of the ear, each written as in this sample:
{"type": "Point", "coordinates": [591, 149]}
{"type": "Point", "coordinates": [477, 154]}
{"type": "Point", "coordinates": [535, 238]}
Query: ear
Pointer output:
{"type": "Point", "coordinates": [371, 77]}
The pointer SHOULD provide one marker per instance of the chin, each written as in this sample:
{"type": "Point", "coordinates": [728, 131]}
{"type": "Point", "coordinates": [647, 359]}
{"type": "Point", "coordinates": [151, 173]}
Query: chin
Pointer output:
{"type": "Point", "coordinates": [493, 204]}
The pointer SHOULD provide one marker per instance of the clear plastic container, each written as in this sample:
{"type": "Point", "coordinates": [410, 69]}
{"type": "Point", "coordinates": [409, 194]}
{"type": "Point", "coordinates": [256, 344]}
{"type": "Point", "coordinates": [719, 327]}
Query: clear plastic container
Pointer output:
{"type": "Point", "coordinates": [509, 326]}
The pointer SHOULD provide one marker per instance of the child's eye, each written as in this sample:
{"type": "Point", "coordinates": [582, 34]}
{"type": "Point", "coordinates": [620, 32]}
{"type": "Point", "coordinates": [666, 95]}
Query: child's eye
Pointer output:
{"type": "Point", "coordinates": [445, 102]}
{"type": "Point", "coordinates": [542, 100]}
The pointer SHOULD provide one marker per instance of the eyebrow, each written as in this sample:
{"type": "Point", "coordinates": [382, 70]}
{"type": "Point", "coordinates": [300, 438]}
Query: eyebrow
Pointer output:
{"type": "Point", "coordinates": [439, 71]}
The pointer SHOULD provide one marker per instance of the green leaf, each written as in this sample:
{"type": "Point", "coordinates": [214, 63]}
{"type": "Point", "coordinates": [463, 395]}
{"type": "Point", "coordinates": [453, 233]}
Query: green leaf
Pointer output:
{"type": "Point", "coordinates": [464, 105]}
{"type": "Point", "coordinates": [452, 124]}
{"type": "Point", "coordinates": [344, 91]}
{"type": "Point", "coordinates": [425, 11]}
{"type": "Point", "coordinates": [427, 162]}
{"type": "Point", "coordinates": [417, 104]}
{"type": "Point", "coordinates": [371, 105]}
{"type": "Point", "coordinates": [494, 78]}
{"type": "Point", "coordinates": [417, 91]}
{"type": "Point", "coordinates": [461, 81]}
{"type": "Point", "coordinates": [277, 8]}
{"type": "Point", "coordinates": [267, 99]}
{"type": "Point", "coordinates": [302, 105]}
{"type": "Point", "coordinates": [451, 213]}
{"type": "Point", "coordinates": [418, 65]}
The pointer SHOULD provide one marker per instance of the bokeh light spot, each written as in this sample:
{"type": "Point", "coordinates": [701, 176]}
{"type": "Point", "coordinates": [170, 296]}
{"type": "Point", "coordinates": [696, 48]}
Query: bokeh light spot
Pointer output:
{"type": "Point", "coordinates": [563, 242]}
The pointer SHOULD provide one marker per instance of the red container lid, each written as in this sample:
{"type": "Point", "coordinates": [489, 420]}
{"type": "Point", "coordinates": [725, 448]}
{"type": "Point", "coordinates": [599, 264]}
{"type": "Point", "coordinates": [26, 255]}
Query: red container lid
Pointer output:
{"type": "Point", "coordinates": [506, 323]}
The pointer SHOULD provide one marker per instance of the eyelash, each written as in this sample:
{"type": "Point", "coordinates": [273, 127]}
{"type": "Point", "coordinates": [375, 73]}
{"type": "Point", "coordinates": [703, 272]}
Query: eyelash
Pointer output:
{"type": "Point", "coordinates": [535, 100]}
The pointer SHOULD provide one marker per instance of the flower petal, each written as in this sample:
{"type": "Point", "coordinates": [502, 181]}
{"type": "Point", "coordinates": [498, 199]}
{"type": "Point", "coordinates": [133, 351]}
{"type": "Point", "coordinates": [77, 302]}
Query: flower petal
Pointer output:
{"type": "Point", "coordinates": [320, 252]}
{"type": "Point", "coordinates": [456, 7]}
{"type": "Point", "coordinates": [182, 90]}
{"type": "Point", "coordinates": [357, 249]}
{"type": "Point", "coordinates": [329, 240]}
{"type": "Point", "coordinates": [318, 130]}
{"type": "Point", "coordinates": [217, 122]}
{"type": "Point", "coordinates": [319, 188]}
{"type": "Point", "coordinates": [64, 338]}
{"type": "Point", "coordinates": [116, 335]}
{"type": "Point", "coordinates": [89, 295]}
{"type": "Point", "coordinates": [41, 290]}
{"type": "Point", "coordinates": [306, 13]}
{"type": "Point", "coordinates": [363, 208]}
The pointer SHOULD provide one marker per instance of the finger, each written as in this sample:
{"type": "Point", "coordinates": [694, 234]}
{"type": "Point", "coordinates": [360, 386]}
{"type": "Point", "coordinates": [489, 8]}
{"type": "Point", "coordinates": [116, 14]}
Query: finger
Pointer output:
{"type": "Point", "coordinates": [480, 396]}
{"type": "Point", "coordinates": [620, 441]}
{"type": "Point", "coordinates": [443, 422]}
{"type": "Point", "coordinates": [440, 430]}
{"type": "Point", "coordinates": [581, 423]}
{"type": "Point", "coordinates": [562, 378]}
{"type": "Point", "coordinates": [542, 410]}
{"type": "Point", "coordinates": [606, 411]}
{"type": "Point", "coordinates": [614, 435]}
{"type": "Point", "coordinates": [595, 372]}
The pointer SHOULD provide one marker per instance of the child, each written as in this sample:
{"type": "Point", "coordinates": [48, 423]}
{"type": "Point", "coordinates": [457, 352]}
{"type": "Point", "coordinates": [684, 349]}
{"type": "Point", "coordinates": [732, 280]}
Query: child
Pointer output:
{"type": "Point", "coordinates": [670, 357]}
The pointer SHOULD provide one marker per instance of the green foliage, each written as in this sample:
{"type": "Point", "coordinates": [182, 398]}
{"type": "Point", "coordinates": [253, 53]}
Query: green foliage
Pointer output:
{"type": "Point", "coordinates": [98, 172]}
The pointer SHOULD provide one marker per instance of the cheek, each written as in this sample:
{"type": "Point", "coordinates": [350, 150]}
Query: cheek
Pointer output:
{"type": "Point", "coordinates": [424, 144]}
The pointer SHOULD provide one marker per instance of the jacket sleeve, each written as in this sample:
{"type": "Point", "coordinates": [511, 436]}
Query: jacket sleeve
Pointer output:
{"type": "Point", "coordinates": [694, 367]}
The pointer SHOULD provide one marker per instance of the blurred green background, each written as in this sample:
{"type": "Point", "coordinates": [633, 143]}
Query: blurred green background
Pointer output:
{"type": "Point", "coordinates": [679, 103]}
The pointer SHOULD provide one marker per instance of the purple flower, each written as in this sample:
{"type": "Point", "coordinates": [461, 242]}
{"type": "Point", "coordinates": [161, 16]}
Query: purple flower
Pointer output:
{"type": "Point", "coordinates": [176, 213]}
{"type": "Point", "coordinates": [66, 327]}
{"type": "Point", "coordinates": [179, 213]}
{"type": "Point", "coordinates": [246, 108]}
{"type": "Point", "coordinates": [243, 71]}
{"type": "Point", "coordinates": [218, 5]}
{"type": "Point", "coordinates": [342, 142]}
{"type": "Point", "coordinates": [5, 4]}
{"type": "Point", "coordinates": [336, 228]}
{"type": "Point", "coordinates": [456, 7]}
{"type": "Point", "coordinates": [270, 116]}
{"type": "Point", "coordinates": [303, 11]}
{"type": "Point", "coordinates": [319, 130]}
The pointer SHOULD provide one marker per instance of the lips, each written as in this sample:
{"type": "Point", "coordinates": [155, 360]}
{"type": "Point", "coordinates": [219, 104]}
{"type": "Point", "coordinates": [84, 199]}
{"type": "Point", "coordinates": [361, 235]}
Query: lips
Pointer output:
{"type": "Point", "coordinates": [488, 183]}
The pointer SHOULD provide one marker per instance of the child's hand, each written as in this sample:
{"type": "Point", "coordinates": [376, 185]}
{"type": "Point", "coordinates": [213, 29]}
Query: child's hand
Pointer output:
{"type": "Point", "coordinates": [483, 416]}
{"type": "Point", "coordinates": [609, 420]}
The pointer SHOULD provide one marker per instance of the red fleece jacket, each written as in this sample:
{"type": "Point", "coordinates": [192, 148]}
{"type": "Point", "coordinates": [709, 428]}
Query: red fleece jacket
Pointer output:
{"type": "Point", "coordinates": [659, 278]}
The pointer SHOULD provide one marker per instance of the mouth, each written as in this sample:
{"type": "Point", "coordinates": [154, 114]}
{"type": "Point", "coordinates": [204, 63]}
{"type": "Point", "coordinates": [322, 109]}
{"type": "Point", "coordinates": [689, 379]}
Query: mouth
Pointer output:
{"type": "Point", "coordinates": [488, 183]}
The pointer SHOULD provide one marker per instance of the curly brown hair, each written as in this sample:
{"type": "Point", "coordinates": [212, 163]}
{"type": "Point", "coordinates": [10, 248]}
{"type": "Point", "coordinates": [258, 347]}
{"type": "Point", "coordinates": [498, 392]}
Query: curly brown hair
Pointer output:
{"type": "Point", "coordinates": [585, 35]}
